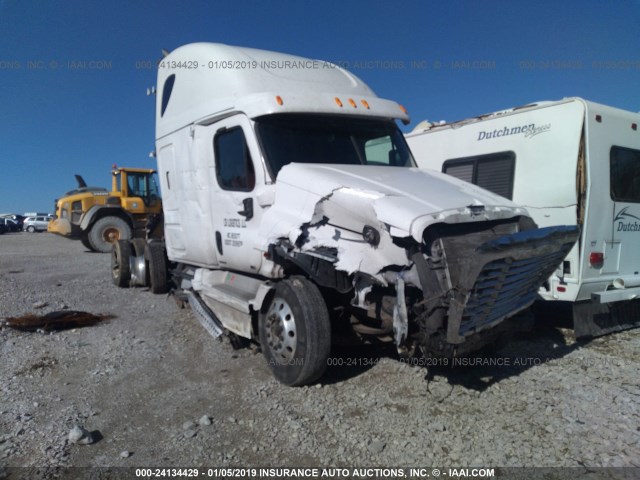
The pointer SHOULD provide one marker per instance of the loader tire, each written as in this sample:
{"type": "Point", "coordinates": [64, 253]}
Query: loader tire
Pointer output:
{"type": "Point", "coordinates": [295, 332]}
{"type": "Point", "coordinates": [120, 269]}
{"type": "Point", "coordinates": [107, 231]}
{"type": "Point", "coordinates": [157, 263]}
{"type": "Point", "coordinates": [85, 241]}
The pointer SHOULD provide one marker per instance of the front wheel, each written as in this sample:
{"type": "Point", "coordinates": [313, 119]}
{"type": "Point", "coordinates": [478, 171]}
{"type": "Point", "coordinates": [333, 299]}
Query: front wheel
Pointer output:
{"type": "Point", "coordinates": [31, 229]}
{"type": "Point", "coordinates": [295, 332]}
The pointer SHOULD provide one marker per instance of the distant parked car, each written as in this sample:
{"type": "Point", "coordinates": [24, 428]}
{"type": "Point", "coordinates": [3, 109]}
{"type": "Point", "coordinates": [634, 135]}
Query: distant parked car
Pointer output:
{"type": "Point", "coordinates": [19, 219]}
{"type": "Point", "coordinates": [3, 228]}
{"type": "Point", "coordinates": [36, 224]}
{"type": "Point", "coordinates": [11, 225]}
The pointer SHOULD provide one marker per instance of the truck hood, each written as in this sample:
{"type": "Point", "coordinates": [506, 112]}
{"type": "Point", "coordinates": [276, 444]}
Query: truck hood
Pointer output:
{"type": "Point", "coordinates": [406, 200]}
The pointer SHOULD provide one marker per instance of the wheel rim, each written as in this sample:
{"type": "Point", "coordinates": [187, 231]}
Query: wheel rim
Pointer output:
{"type": "Point", "coordinates": [281, 330]}
{"type": "Point", "coordinates": [111, 235]}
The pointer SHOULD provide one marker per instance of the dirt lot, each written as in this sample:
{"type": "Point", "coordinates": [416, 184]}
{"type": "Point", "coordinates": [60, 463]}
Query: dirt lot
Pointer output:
{"type": "Point", "coordinates": [157, 391]}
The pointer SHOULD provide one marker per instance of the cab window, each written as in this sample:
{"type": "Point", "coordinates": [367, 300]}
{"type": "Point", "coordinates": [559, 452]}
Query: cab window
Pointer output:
{"type": "Point", "coordinates": [234, 167]}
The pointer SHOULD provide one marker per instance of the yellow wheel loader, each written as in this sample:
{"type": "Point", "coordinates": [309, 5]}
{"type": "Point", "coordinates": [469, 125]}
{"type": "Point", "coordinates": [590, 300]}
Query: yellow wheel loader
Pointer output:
{"type": "Point", "coordinates": [99, 218]}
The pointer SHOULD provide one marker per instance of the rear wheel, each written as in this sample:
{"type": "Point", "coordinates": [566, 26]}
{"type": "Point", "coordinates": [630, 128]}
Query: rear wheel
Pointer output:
{"type": "Point", "coordinates": [154, 254]}
{"type": "Point", "coordinates": [107, 231]}
{"type": "Point", "coordinates": [120, 269]}
{"type": "Point", "coordinates": [295, 332]}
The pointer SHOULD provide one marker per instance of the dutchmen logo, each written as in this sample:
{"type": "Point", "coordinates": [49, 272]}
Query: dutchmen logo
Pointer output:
{"type": "Point", "coordinates": [625, 224]}
{"type": "Point", "coordinates": [529, 131]}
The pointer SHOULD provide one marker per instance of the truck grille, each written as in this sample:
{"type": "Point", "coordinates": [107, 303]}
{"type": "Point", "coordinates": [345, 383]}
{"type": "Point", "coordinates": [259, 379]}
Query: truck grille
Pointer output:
{"type": "Point", "coordinates": [505, 286]}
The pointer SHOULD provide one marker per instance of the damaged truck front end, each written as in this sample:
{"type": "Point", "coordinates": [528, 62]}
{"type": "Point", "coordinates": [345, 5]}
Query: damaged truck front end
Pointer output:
{"type": "Point", "coordinates": [440, 284]}
{"type": "Point", "coordinates": [294, 212]}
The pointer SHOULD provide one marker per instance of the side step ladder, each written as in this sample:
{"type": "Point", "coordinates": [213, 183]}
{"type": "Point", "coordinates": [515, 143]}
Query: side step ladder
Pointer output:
{"type": "Point", "coordinates": [206, 317]}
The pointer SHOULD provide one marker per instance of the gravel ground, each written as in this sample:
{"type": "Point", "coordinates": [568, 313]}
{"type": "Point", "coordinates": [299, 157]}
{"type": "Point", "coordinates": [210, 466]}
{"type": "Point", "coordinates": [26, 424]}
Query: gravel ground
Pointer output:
{"type": "Point", "coordinates": [155, 390]}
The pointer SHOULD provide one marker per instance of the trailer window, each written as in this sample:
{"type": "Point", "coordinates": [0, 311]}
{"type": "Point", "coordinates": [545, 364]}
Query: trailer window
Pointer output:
{"type": "Point", "coordinates": [494, 171]}
{"type": "Point", "coordinates": [625, 174]}
{"type": "Point", "coordinates": [234, 167]}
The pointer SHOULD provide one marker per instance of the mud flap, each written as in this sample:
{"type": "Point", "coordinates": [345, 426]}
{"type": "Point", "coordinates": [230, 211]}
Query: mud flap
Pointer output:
{"type": "Point", "coordinates": [591, 319]}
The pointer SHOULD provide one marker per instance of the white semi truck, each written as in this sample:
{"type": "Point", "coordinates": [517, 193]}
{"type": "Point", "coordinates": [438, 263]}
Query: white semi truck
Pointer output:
{"type": "Point", "coordinates": [570, 162]}
{"type": "Point", "coordinates": [292, 205]}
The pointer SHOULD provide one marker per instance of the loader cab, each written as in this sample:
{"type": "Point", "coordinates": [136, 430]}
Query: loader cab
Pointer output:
{"type": "Point", "coordinates": [137, 189]}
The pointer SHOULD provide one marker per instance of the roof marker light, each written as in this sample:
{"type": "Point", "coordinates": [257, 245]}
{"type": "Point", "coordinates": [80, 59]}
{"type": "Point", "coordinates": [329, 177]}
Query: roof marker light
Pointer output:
{"type": "Point", "coordinates": [338, 102]}
{"type": "Point", "coordinates": [352, 103]}
{"type": "Point", "coordinates": [404, 110]}
{"type": "Point", "coordinates": [366, 104]}
{"type": "Point", "coordinates": [634, 126]}
{"type": "Point", "coordinates": [279, 100]}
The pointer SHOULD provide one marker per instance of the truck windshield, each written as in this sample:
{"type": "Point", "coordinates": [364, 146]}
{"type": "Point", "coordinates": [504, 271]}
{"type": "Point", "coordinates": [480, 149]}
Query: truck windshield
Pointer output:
{"type": "Point", "coordinates": [288, 138]}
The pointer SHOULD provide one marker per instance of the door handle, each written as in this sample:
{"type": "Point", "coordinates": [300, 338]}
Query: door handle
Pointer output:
{"type": "Point", "coordinates": [247, 203]}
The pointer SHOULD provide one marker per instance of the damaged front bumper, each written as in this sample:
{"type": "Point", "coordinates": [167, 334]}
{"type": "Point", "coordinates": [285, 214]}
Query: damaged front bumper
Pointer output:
{"type": "Point", "coordinates": [492, 282]}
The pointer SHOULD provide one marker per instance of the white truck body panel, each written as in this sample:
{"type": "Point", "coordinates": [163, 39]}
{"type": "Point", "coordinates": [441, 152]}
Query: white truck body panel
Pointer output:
{"type": "Point", "coordinates": [544, 140]}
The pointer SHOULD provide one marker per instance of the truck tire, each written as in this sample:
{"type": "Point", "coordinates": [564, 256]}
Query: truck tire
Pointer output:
{"type": "Point", "coordinates": [120, 269]}
{"type": "Point", "coordinates": [295, 332]}
{"type": "Point", "coordinates": [107, 231]}
{"type": "Point", "coordinates": [156, 261]}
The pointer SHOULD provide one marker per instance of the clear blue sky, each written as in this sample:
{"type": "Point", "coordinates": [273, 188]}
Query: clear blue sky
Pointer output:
{"type": "Point", "coordinates": [441, 60]}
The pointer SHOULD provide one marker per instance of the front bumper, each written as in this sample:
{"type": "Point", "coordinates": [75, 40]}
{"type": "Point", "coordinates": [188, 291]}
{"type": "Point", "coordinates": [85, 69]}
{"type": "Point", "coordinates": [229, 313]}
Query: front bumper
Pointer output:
{"type": "Point", "coordinates": [502, 276]}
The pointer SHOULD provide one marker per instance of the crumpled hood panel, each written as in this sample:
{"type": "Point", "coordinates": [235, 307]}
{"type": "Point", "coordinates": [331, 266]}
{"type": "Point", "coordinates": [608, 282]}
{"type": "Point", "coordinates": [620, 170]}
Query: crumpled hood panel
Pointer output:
{"type": "Point", "coordinates": [399, 195]}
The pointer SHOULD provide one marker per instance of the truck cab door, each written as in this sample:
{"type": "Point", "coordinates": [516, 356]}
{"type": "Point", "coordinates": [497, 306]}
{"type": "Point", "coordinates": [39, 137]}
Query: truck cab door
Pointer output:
{"type": "Point", "coordinates": [237, 179]}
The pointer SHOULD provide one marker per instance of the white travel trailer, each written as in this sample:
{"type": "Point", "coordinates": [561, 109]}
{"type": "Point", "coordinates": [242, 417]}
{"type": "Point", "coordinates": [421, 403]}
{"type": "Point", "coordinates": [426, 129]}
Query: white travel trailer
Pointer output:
{"type": "Point", "coordinates": [292, 206]}
{"type": "Point", "coordinates": [570, 162]}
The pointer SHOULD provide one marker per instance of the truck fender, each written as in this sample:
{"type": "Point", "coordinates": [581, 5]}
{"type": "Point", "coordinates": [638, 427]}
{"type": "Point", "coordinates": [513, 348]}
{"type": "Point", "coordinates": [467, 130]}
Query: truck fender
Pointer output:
{"type": "Point", "coordinates": [259, 302]}
{"type": "Point", "coordinates": [99, 211]}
